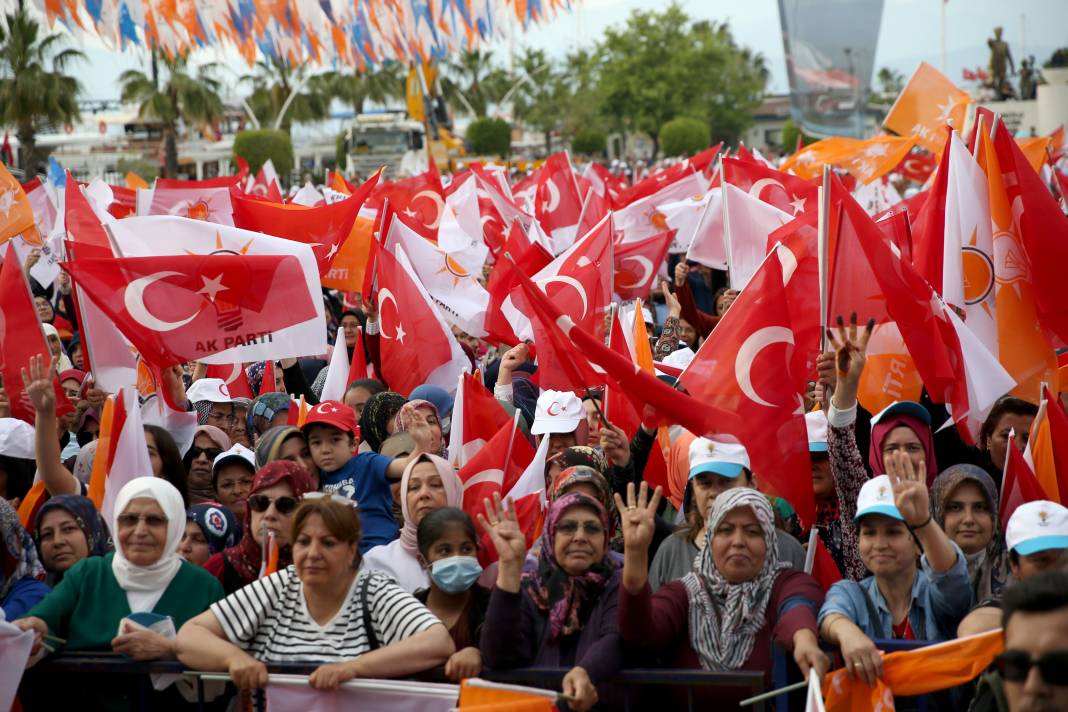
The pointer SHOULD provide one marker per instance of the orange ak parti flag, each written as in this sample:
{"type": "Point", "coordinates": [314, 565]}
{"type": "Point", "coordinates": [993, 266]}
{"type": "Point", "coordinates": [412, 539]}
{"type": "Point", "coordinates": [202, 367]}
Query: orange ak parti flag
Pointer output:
{"type": "Point", "coordinates": [914, 672]}
{"type": "Point", "coordinates": [925, 105]}
{"type": "Point", "coordinates": [16, 213]}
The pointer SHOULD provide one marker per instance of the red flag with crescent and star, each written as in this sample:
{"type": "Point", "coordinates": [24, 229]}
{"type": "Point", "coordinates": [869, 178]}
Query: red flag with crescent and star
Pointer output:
{"type": "Point", "coordinates": [786, 192]}
{"type": "Point", "coordinates": [756, 363]}
{"type": "Point", "coordinates": [557, 203]}
{"type": "Point", "coordinates": [636, 264]}
{"type": "Point", "coordinates": [419, 198]}
{"type": "Point", "coordinates": [324, 227]}
{"type": "Point", "coordinates": [233, 375]}
{"type": "Point", "coordinates": [182, 308]}
{"type": "Point", "coordinates": [413, 340]}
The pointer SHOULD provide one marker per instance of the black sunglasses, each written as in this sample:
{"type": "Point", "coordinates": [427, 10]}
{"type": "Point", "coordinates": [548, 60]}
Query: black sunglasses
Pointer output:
{"type": "Point", "coordinates": [261, 503]}
{"type": "Point", "coordinates": [1015, 666]}
{"type": "Point", "coordinates": [211, 452]}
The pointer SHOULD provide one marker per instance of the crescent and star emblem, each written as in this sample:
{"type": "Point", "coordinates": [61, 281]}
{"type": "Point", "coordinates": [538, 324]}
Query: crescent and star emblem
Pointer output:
{"type": "Point", "coordinates": [553, 202]}
{"type": "Point", "coordinates": [554, 404]}
{"type": "Point", "coordinates": [134, 300]}
{"type": "Point", "coordinates": [751, 347]}
{"type": "Point", "coordinates": [385, 295]}
{"type": "Point", "coordinates": [439, 206]}
{"type": "Point", "coordinates": [647, 271]}
{"type": "Point", "coordinates": [571, 281]}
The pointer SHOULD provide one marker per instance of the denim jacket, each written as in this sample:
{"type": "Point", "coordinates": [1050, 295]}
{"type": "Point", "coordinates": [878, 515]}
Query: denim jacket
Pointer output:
{"type": "Point", "coordinates": [939, 602]}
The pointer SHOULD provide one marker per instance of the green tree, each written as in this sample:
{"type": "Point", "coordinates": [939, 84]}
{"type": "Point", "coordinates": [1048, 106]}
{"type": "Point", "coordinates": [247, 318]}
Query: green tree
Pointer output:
{"type": "Point", "coordinates": [890, 82]}
{"type": "Point", "coordinates": [256, 146]}
{"type": "Point", "coordinates": [589, 142]}
{"type": "Point", "coordinates": [536, 94]}
{"type": "Point", "coordinates": [660, 65]}
{"type": "Point", "coordinates": [471, 81]}
{"type": "Point", "coordinates": [790, 133]}
{"type": "Point", "coordinates": [190, 98]}
{"type": "Point", "coordinates": [278, 86]}
{"type": "Point", "coordinates": [489, 137]}
{"type": "Point", "coordinates": [684, 136]}
{"type": "Point", "coordinates": [382, 85]}
{"type": "Point", "coordinates": [34, 88]}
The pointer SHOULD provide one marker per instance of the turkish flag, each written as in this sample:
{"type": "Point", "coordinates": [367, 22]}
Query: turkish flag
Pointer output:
{"type": "Point", "coordinates": [325, 228]}
{"type": "Point", "coordinates": [917, 165]}
{"type": "Point", "coordinates": [704, 161]}
{"type": "Point", "coordinates": [637, 263]}
{"type": "Point", "coordinates": [476, 416]}
{"type": "Point", "coordinates": [824, 570]}
{"type": "Point", "coordinates": [502, 198]}
{"type": "Point", "coordinates": [234, 377]}
{"type": "Point", "coordinates": [419, 198]}
{"type": "Point", "coordinates": [413, 339]}
{"type": "Point", "coordinates": [530, 258]}
{"type": "Point", "coordinates": [755, 363]}
{"type": "Point", "coordinates": [182, 308]}
{"type": "Point", "coordinates": [644, 217]}
{"type": "Point", "coordinates": [86, 237]}
{"type": "Point", "coordinates": [1018, 485]}
{"type": "Point", "coordinates": [786, 192]}
{"type": "Point", "coordinates": [618, 409]}
{"type": "Point", "coordinates": [557, 203]}
{"type": "Point", "coordinates": [21, 338]}
{"type": "Point", "coordinates": [654, 183]}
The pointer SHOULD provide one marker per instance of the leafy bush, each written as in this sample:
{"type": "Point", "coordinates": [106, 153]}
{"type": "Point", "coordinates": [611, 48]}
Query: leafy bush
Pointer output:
{"type": "Point", "coordinates": [489, 137]}
{"type": "Point", "coordinates": [684, 137]}
{"type": "Point", "coordinates": [257, 145]}
{"type": "Point", "coordinates": [1057, 59]}
{"type": "Point", "coordinates": [589, 142]}
{"type": "Point", "coordinates": [144, 168]}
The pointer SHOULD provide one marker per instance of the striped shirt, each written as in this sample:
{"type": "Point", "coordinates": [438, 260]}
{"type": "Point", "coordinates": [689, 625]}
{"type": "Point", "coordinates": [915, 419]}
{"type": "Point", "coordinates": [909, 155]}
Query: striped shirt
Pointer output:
{"type": "Point", "coordinates": [269, 619]}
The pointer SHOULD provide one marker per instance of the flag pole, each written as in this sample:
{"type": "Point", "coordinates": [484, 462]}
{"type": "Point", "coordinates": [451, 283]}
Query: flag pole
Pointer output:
{"type": "Point", "coordinates": [810, 553]}
{"type": "Point", "coordinates": [822, 242]}
{"type": "Point", "coordinates": [726, 220]}
{"type": "Point", "coordinates": [752, 700]}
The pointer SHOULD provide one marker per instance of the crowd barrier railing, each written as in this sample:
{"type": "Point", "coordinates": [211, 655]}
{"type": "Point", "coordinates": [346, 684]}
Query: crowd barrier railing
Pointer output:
{"type": "Point", "coordinates": [632, 683]}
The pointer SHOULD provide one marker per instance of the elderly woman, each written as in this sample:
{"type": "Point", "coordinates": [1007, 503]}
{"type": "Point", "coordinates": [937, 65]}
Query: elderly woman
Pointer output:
{"type": "Point", "coordinates": [901, 599]}
{"type": "Point", "coordinates": [285, 442]}
{"type": "Point", "coordinates": [319, 609]}
{"type": "Point", "coordinates": [68, 529]}
{"type": "Point", "coordinates": [438, 446]}
{"type": "Point", "coordinates": [739, 598]}
{"type": "Point", "coordinates": [21, 574]}
{"type": "Point", "coordinates": [563, 614]}
{"type": "Point", "coordinates": [591, 482]}
{"type": "Point", "coordinates": [273, 497]}
{"type": "Point", "coordinates": [208, 443]}
{"type": "Point", "coordinates": [964, 502]}
{"type": "Point", "coordinates": [209, 528]}
{"type": "Point", "coordinates": [428, 483]}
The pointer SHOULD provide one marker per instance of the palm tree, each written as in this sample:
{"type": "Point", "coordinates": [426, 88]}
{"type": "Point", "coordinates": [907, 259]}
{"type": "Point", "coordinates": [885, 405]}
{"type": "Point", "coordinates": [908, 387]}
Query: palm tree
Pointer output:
{"type": "Point", "coordinates": [471, 82]}
{"type": "Point", "coordinates": [192, 99]}
{"type": "Point", "coordinates": [273, 98]}
{"type": "Point", "coordinates": [33, 95]}
{"type": "Point", "coordinates": [379, 86]}
{"type": "Point", "coordinates": [537, 92]}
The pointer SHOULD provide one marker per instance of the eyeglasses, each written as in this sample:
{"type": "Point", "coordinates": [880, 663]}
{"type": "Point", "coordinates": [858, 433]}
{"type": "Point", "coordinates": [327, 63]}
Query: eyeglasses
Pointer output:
{"type": "Point", "coordinates": [261, 503]}
{"type": "Point", "coordinates": [1015, 666]}
{"type": "Point", "coordinates": [224, 417]}
{"type": "Point", "coordinates": [312, 496]}
{"type": "Point", "coordinates": [211, 452]}
{"type": "Point", "coordinates": [129, 521]}
{"type": "Point", "coordinates": [570, 528]}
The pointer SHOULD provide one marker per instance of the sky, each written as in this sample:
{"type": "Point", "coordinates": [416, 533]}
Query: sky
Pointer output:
{"type": "Point", "coordinates": [909, 33]}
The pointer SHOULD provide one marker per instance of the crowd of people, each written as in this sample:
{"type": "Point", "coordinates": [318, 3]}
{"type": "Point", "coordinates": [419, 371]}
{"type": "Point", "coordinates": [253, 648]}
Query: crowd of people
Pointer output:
{"type": "Point", "coordinates": [343, 542]}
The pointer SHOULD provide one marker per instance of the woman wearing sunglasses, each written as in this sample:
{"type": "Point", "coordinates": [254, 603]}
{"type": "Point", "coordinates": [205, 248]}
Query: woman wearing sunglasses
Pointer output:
{"type": "Point", "coordinates": [564, 613]}
{"type": "Point", "coordinates": [273, 497]}
{"type": "Point", "coordinates": [321, 609]}
{"type": "Point", "coordinates": [89, 607]}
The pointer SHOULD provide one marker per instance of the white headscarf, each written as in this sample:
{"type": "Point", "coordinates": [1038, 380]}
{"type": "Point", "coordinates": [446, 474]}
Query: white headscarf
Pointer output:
{"type": "Point", "coordinates": [64, 360]}
{"type": "Point", "coordinates": [144, 585]}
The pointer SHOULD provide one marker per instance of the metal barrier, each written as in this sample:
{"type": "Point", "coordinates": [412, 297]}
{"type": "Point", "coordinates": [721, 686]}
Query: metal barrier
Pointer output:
{"type": "Point", "coordinates": [632, 683]}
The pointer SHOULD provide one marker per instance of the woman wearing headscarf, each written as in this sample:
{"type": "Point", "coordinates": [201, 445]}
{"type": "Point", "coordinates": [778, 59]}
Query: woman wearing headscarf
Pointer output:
{"type": "Point", "coordinates": [433, 419]}
{"type": "Point", "coordinates": [208, 443]}
{"type": "Point", "coordinates": [143, 575]}
{"type": "Point", "coordinates": [739, 599]}
{"type": "Point", "coordinates": [266, 411]}
{"type": "Point", "coordinates": [21, 574]}
{"type": "Point", "coordinates": [210, 527]}
{"type": "Point", "coordinates": [68, 529]}
{"type": "Point", "coordinates": [964, 502]}
{"type": "Point", "coordinates": [285, 442]}
{"type": "Point", "coordinates": [378, 418]}
{"type": "Point", "coordinates": [590, 482]}
{"type": "Point", "coordinates": [55, 345]}
{"type": "Point", "coordinates": [563, 614]}
{"type": "Point", "coordinates": [275, 493]}
{"type": "Point", "coordinates": [428, 483]}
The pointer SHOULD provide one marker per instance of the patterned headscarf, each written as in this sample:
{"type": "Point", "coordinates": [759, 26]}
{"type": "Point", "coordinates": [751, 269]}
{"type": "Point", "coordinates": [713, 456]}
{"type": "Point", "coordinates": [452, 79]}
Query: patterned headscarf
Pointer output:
{"type": "Point", "coordinates": [85, 515]}
{"type": "Point", "coordinates": [18, 557]}
{"type": "Point", "coordinates": [269, 444]}
{"type": "Point", "coordinates": [218, 524]}
{"type": "Point", "coordinates": [567, 598]}
{"type": "Point", "coordinates": [400, 427]}
{"type": "Point", "coordinates": [581, 473]}
{"type": "Point", "coordinates": [247, 556]}
{"type": "Point", "coordinates": [988, 569]}
{"type": "Point", "coordinates": [882, 429]}
{"type": "Point", "coordinates": [254, 374]}
{"type": "Point", "coordinates": [378, 412]}
{"type": "Point", "coordinates": [725, 617]}
{"type": "Point", "coordinates": [584, 456]}
{"type": "Point", "coordinates": [83, 462]}
{"type": "Point", "coordinates": [454, 496]}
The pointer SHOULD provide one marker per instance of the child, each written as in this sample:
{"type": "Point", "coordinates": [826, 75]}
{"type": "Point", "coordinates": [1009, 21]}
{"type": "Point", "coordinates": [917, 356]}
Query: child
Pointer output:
{"type": "Point", "coordinates": [365, 477]}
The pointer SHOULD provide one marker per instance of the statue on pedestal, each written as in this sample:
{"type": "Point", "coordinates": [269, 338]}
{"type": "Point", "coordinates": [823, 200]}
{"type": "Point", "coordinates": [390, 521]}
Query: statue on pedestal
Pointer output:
{"type": "Point", "coordinates": [1000, 61]}
{"type": "Point", "coordinates": [1028, 79]}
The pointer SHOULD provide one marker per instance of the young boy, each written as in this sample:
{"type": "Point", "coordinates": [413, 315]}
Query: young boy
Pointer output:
{"type": "Point", "coordinates": [365, 477]}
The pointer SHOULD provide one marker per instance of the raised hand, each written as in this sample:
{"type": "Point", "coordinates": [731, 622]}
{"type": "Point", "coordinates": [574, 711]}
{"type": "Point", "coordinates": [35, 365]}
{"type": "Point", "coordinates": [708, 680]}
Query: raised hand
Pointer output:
{"type": "Point", "coordinates": [502, 527]}
{"type": "Point", "coordinates": [512, 359]}
{"type": "Point", "coordinates": [615, 444]}
{"type": "Point", "coordinates": [638, 516]}
{"type": "Point", "coordinates": [672, 302]}
{"type": "Point", "coordinates": [38, 384]}
{"type": "Point", "coordinates": [681, 271]}
{"type": "Point", "coordinates": [850, 354]}
{"type": "Point", "coordinates": [415, 422]}
{"type": "Point", "coordinates": [908, 481]}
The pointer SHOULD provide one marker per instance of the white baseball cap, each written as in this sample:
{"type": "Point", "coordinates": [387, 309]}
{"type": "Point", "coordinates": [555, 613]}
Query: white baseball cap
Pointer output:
{"type": "Point", "coordinates": [17, 439]}
{"type": "Point", "coordinates": [816, 424]}
{"type": "Point", "coordinates": [1037, 526]}
{"type": "Point", "coordinates": [557, 412]}
{"type": "Point", "coordinates": [877, 497]}
{"type": "Point", "coordinates": [209, 389]}
{"type": "Point", "coordinates": [237, 453]}
{"type": "Point", "coordinates": [719, 456]}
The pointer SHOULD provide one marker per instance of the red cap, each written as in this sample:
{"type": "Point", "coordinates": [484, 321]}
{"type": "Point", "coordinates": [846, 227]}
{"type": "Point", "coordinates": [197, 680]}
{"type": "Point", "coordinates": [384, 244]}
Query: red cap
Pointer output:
{"type": "Point", "coordinates": [334, 413]}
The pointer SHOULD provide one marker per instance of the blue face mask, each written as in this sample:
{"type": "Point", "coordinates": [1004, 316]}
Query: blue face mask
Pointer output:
{"type": "Point", "coordinates": [455, 574]}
